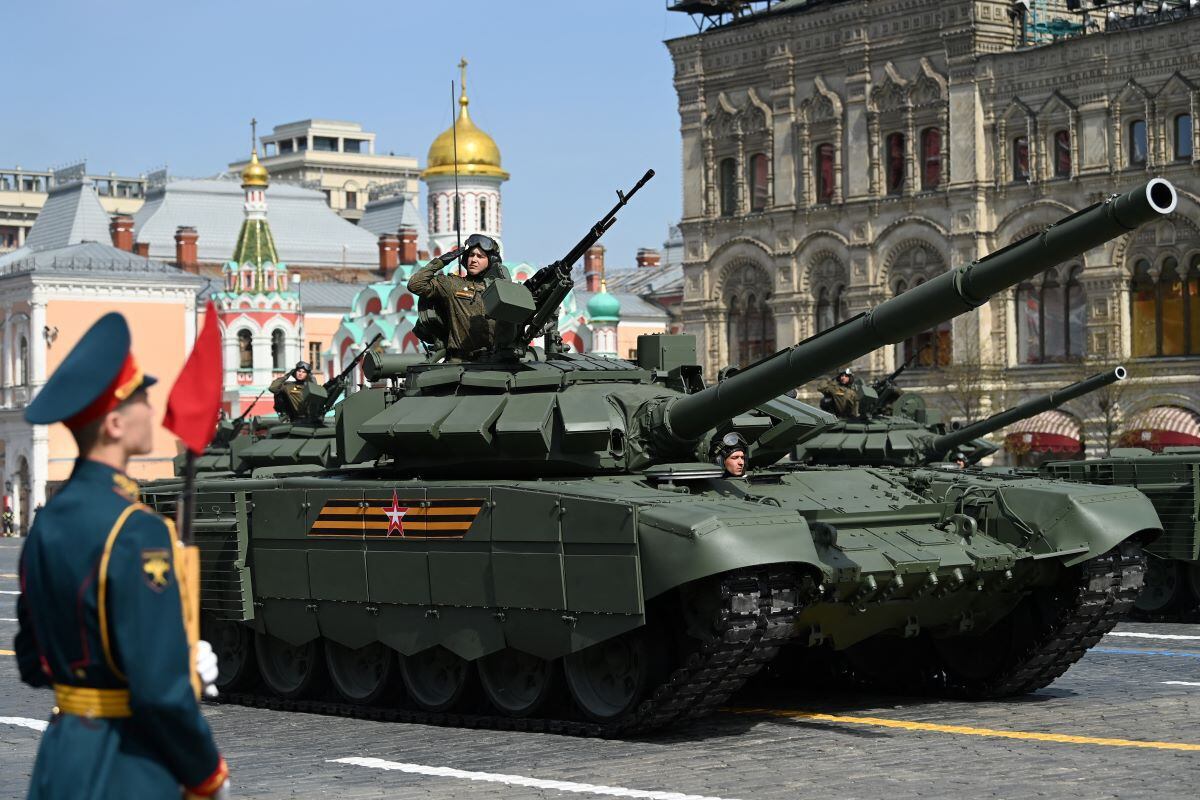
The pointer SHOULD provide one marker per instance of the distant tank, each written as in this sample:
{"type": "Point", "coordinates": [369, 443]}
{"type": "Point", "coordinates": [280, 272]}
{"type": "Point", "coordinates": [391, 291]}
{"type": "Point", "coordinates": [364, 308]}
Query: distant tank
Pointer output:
{"type": "Point", "coordinates": [1170, 479]}
{"type": "Point", "coordinates": [916, 436]}
{"type": "Point", "coordinates": [536, 540]}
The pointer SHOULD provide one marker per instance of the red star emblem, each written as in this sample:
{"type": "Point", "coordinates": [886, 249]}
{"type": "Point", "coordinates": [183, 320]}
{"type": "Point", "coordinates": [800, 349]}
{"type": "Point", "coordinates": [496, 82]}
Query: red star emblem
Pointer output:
{"type": "Point", "coordinates": [395, 515]}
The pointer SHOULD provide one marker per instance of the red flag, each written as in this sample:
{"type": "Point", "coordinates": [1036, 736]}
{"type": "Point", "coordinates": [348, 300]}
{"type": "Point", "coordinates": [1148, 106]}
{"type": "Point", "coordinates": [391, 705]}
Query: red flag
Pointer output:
{"type": "Point", "coordinates": [195, 399]}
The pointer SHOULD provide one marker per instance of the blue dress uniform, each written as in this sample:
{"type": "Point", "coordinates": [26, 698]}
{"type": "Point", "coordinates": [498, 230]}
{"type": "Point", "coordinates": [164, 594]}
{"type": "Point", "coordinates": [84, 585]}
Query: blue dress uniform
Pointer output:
{"type": "Point", "coordinates": [100, 613]}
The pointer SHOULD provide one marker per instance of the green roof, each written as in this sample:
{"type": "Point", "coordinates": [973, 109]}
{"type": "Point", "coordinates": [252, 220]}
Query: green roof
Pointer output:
{"type": "Point", "coordinates": [255, 245]}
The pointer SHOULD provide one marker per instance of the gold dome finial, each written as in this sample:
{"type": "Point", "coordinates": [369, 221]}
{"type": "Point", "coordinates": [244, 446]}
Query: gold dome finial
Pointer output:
{"type": "Point", "coordinates": [255, 174]}
{"type": "Point", "coordinates": [477, 152]}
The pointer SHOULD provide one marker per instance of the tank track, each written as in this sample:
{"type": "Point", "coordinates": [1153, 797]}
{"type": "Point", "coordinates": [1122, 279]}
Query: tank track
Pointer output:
{"type": "Point", "coordinates": [1100, 597]}
{"type": "Point", "coordinates": [757, 615]}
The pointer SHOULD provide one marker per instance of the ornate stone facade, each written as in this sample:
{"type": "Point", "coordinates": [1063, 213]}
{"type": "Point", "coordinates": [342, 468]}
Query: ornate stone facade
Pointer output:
{"type": "Point", "coordinates": [839, 153]}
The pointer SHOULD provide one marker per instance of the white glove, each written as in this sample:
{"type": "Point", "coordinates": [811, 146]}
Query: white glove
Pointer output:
{"type": "Point", "coordinates": [206, 667]}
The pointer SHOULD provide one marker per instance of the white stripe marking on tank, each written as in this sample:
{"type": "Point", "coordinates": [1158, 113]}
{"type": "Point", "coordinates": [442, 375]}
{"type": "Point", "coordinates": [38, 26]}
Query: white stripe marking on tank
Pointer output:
{"type": "Point", "coordinates": [1180, 683]}
{"type": "Point", "coordinates": [25, 722]}
{"type": "Point", "coordinates": [9, 619]}
{"type": "Point", "coordinates": [8, 591]}
{"type": "Point", "coordinates": [517, 780]}
{"type": "Point", "coordinates": [1141, 635]}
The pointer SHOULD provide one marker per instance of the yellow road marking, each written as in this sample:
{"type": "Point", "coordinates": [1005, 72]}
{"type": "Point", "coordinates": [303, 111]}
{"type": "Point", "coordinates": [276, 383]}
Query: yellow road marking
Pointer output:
{"type": "Point", "coordinates": [8, 652]}
{"type": "Point", "coordinates": [963, 730]}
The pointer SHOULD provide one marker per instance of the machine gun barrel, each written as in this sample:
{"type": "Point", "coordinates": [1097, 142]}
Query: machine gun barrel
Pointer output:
{"type": "Point", "coordinates": [677, 423]}
{"type": "Point", "coordinates": [550, 284]}
{"type": "Point", "coordinates": [943, 444]}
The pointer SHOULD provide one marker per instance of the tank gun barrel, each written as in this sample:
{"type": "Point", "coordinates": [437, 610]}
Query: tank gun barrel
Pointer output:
{"type": "Point", "coordinates": [676, 423]}
{"type": "Point", "coordinates": [943, 444]}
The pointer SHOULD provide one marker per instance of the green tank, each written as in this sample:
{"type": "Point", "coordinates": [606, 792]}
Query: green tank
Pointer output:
{"type": "Point", "coordinates": [1170, 480]}
{"type": "Point", "coordinates": [916, 436]}
{"type": "Point", "coordinates": [537, 540]}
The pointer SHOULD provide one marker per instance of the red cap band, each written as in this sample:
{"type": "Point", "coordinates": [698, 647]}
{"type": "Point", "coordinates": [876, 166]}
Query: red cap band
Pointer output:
{"type": "Point", "coordinates": [129, 379]}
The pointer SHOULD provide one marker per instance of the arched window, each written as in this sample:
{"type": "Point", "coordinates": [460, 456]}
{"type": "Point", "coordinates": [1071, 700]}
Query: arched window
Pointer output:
{"type": "Point", "coordinates": [1062, 154]}
{"type": "Point", "coordinates": [23, 362]}
{"type": "Point", "coordinates": [931, 158]}
{"type": "Point", "coordinates": [1183, 137]}
{"type": "Point", "coordinates": [895, 163]}
{"type": "Point", "coordinates": [751, 328]}
{"type": "Point", "coordinates": [245, 349]}
{"type": "Point", "coordinates": [933, 347]}
{"type": "Point", "coordinates": [1166, 308]}
{"type": "Point", "coordinates": [1051, 318]}
{"type": "Point", "coordinates": [483, 217]}
{"type": "Point", "coordinates": [433, 216]}
{"type": "Point", "coordinates": [759, 190]}
{"type": "Point", "coordinates": [728, 187]}
{"type": "Point", "coordinates": [824, 310]}
{"type": "Point", "coordinates": [278, 356]}
{"type": "Point", "coordinates": [1137, 143]}
{"type": "Point", "coordinates": [1020, 159]}
{"type": "Point", "coordinates": [824, 158]}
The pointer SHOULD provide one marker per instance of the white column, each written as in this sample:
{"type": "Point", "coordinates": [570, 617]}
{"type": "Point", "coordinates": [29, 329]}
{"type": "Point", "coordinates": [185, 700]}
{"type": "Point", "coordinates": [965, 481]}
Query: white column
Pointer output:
{"type": "Point", "coordinates": [6, 358]}
{"type": "Point", "coordinates": [262, 359]}
{"type": "Point", "coordinates": [232, 360]}
{"type": "Point", "coordinates": [39, 467]}
{"type": "Point", "coordinates": [37, 343]}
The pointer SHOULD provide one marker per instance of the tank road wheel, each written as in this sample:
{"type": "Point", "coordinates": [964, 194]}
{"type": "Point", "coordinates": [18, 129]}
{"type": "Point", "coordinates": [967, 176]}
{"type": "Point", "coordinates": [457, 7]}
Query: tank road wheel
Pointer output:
{"type": "Point", "coordinates": [290, 671]}
{"type": "Point", "coordinates": [436, 679]}
{"type": "Point", "coordinates": [1165, 589]}
{"type": "Point", "coordinates": [609, 679]}
{"type": "Point", "coordinates": [233, 644]}
{"type": "Point", "coordinates": [366, 676]}
{"type": "Point", "coordinates": [516, 683]}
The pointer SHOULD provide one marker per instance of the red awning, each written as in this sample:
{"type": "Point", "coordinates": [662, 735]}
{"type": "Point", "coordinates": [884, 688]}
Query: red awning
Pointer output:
{"type": "Point", "coordinates": [1163, 426]}
{"type": "Point", "coordinates": [1049, 432]}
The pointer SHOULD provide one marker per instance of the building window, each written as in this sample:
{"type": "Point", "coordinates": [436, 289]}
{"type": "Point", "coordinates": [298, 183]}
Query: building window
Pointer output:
{"type": "Point", "coordinates": [751, 329]}
{"type": "Point", "coordinates": [1051, 319]}
{"type": "Point", "coordinates": [351, 200]}
{"type": "Point", "coordinates": [825, 173]}
{"type": "Point", "coordinates": [727, 185]}
{"type": "Point", "coordinates": [932, 348]}
{"type": "Point", "coordinates": [1137, 143]}
{"type": "Point", "coordinates": [23, 362]}
{"type": "Point", "coordinates": [1166, 310]}
{"type": "Point", "coordinates": [326, 144]}
{"type": "Point", "coordinates": [314, 356]}
{"type": "Point", "coordinates": [1062, 154]}
{"type": "Point", "coordinates": [245, 349]}
{"type": "Point", "coordinates": [328, 197]}
{"type": "Point", "coordinates": [483, 217]}
{"type": "Point", "coordinates": [353, 145]}
{"type": "Point", "coordinates": [758, 182]}
{"type": "Point", "coordinates": [1183, 137]}
{"type": "Point", "coordinates": [1020, 159]}
{"type": "Point", "coordinates": [831, 307]}
{"type": "Point", "coordinates": [285, 146]}
{"type": "Point", "coordinates": [931, 158]}
{"type": "Point", "coordinates": [895, 163]}
{"type": "Point", "coordinates": [433, 215]}
{"type": "Point", "coordinates": [278, 352]}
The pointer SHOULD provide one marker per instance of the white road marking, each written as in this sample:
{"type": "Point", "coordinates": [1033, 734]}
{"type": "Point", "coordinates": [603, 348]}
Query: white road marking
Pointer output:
{"type": "Point", "coordinates": [517, 780]}
{"type": "Point", "coordinates": [7, 591]}
{"type": "Point", "coordinates": [9, 619]}
{"type": "Point", "coordinates": [24, 722]}
{"type": "Point", "coordinates": [1139, 635]}
{"type": "Point", "coordinates": [1180, 683]}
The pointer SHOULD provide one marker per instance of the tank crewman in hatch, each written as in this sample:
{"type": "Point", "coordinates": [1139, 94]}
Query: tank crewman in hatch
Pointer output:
{"type": "Point", "coordinates": [729, 453]}
{"type": "Point", "coordinates": [840, 396]}
{"type": "Point", "coordinates": [289, 395]}
{"type": "Point", "coordinates": [469, 329]}
{"type": "Point", "coordinates": [100, 615]}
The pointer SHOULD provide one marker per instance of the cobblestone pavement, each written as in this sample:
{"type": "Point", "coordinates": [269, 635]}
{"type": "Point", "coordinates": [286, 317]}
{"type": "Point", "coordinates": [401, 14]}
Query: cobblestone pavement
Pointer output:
{"type": "Point", "coordinates": [862, 747]}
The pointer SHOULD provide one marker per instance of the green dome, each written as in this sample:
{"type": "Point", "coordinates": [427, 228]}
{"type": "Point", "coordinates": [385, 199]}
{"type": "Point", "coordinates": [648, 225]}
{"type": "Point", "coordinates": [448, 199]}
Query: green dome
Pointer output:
{"type": "Point", "coordinates": [604, 307]}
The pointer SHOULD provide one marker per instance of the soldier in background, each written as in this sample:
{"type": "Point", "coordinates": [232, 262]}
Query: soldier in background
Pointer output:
{"type": "Point", "coordinates": [840, 396]}
{"type": "Point", "coordinates": [100, 613]}
{"type": "Point", "coordinates": [289, 394]}
{"type": "Point", "coordinates": [469, 330]}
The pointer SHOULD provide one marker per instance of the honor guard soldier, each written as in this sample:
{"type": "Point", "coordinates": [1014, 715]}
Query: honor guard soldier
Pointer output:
{"type": "Point", "coordinates": [289, 395]}
{"type": "Point", "coordinates": [100, 612]}
{"type": "Point", "coordinates": [840, 396]}
{"type": "Point", "coordinates": [470, 331]}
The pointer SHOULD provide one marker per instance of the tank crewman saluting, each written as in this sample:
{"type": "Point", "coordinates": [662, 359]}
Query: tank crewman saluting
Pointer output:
{"type": "Point", "coordinates": [100, 614]}
{"type": "Point", "coordinates": [289, 395]}
{"type": "Point", "coordinates": [470, 329]}
{"type": "Point", "coordinates": [840, 396]}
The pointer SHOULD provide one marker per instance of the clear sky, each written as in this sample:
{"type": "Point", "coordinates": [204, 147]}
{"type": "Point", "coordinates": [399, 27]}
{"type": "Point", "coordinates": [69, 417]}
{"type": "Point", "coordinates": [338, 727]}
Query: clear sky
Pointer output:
{"type": "Point", "coordinates": [578, 95]}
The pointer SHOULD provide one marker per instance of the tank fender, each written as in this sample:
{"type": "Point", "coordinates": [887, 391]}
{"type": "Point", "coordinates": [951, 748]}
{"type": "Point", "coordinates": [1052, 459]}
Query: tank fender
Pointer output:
{"type": "Point", "coordinates": [683, 543]}
{"type": "Point", "coordinates": [1093, 517]}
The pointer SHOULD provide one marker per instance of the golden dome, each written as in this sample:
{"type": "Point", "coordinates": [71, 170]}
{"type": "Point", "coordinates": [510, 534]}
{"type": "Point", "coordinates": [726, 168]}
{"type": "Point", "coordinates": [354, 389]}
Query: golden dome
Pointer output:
{"type": "Point", "coordinates": [255, 174]}
{"type": "Point", "coordinates": [477, 152]}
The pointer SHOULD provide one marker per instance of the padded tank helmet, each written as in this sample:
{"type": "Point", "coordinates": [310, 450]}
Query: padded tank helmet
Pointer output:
{"type": "Point", "coordinates": [489, 246]}
{"type": "Point", "coordinates": [725, 445]}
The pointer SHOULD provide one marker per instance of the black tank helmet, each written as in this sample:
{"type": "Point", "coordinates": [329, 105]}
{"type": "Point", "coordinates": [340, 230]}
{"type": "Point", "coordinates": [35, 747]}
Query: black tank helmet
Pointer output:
{"type": "Point", "coordinates": [725, 445]}
{"type": "Point", "coordinates": [302, 365]}
{"type": "Point", "coordinates": [489, 246]}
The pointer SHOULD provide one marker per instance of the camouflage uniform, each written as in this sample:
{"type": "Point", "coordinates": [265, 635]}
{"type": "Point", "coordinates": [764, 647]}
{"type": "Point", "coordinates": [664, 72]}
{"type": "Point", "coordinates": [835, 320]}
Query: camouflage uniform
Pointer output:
{"type": "Point", "coordinates": [292, 395]}
{"type": "Point", "coordinates": [460, 300]}
{"type": "Point", "coordinates": [838, 399]}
